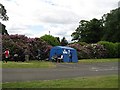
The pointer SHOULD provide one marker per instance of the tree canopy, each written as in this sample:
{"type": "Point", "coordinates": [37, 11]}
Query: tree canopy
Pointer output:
{"type": "Point", "coordinates": [51, 40]}
{"type": "Point", "coordinates": [4, 17]}
{"type": "Point", "coordinates": [111, 23]}
{"type": "Point", "coordinates": [88, 31]}
{"type": "Point", "coordinates": [3, 31]}
{"type": "Point", "coordinates": [3, 13]}
{"type": "Point", "coordinates": [106, 28]}
{"type": "Point", "coordinates": [64, 42]}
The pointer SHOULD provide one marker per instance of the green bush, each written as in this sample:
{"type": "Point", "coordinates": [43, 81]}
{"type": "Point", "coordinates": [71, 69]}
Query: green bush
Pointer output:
{"type": "Point", "coordinates": [113, 49]}
{"type": "Point", "coordinates": [50, 40]}
{"type": "Point", "coordinates": [117, 49]}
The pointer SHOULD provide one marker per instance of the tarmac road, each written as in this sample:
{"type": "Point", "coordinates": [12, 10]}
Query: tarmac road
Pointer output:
{"type": "Point", "coordinates": [62, 70]}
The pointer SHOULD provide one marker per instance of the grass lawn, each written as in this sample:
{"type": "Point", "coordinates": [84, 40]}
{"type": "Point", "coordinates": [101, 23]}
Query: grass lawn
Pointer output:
{"type": "Point", "coordinates": [98, 60]}
{"type": "Point", "coordinates": [109, 81]}
{"type": "Point", "coordinates": [30, 64]}
{"type": "Point", "coordinates": [0, 64]}
{"type": "Point", "coordinates": [43, 64]}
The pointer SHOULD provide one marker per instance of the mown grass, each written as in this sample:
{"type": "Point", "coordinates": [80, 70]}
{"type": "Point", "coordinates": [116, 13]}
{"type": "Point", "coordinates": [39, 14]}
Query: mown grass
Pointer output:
{"type": "Point", "coordinates": [43, 64]}
{"type": "Point", "coordinates": [29, 64]}
{"type": "Point", "coordinates": [110, 81]}
{"type": "Point", "coordinates": [0, 64]}
{"type": "Point", "coordinates": [99, 60]}
{"type": "Point", "coordinates": [0, 75]}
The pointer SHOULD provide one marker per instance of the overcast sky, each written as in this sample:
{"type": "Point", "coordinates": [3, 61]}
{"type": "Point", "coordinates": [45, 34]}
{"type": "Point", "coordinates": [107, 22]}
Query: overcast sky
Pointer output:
{"type": "Point", "coordinates": [35, 18]}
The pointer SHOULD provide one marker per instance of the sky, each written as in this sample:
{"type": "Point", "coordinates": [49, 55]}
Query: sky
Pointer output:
{"type": "Point", "coordinates": [35, 18]}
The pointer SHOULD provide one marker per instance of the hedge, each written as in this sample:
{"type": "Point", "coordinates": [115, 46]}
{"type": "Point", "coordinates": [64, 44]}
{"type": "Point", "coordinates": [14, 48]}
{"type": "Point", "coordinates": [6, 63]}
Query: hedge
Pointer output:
{"type": "Point", "coordinates": [89, 51]}
{"type": "Point", "coordinates": [113, 49]}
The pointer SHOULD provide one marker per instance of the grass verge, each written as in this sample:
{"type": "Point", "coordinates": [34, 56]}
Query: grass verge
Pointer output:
{"type": "Point", "coordinates": [98, 60]}
{"type": "Point", "coordinates": [30, 64]}
{"type": "Point", "coordinates": [43, 64]}
{"type": "Point", "coordinates": [0, 64]}
{"type": "Point", "coordinates": [110, 81]}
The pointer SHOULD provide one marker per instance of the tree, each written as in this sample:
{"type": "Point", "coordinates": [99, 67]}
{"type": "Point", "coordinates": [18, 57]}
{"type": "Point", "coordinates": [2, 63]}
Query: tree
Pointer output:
{"type": "Point", "coordinates": [3, 12]}
{"type": "Point", "coordinates": [79, 32]}
{"type": "Point", "coordinates": [88, 31]}
{"type": "Point", "coordinates": [64, 42]}
{"type": "Point", "coordinates": [58, 39]}
{"type": "Point", "coordinates": [111, 26]}
{"type": "Point", "coordinates": [50, 40]}
{"type": "Point", "coordinates": [3, 31]}
{"type": "Point", "coordinates": [4, 17]}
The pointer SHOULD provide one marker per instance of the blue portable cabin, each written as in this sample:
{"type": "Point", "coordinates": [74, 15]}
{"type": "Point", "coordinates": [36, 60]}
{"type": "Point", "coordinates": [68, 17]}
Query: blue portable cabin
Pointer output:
{"type": "Point", "coordinates": [65, 51]}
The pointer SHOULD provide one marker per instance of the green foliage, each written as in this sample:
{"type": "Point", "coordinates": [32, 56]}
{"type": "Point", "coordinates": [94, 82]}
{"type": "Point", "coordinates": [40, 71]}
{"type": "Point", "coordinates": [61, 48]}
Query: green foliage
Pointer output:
{"type": "Point", "coordinates": [88, 31]}
{"type": "Point", "coordinates": [4, 17]}
{"type": "Point", "coordinates": [58, 39]}
{"type": "Point", "coordinates": [113, 49]}
{"type": "Point", "coordinates": [3, 12]}
{"type": "Point", "coordinates": [117, 49]}
{"type": "Point", "coordinates": [111, 23]}
{"type": "Point", "coordinates": [3, 29]}
{"type": "Point", "coordinates": [105, 29]}
{"type": "Point", "coordinates": [50, 40]}
{"type": "Point", "coordinates": [64, 42]}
